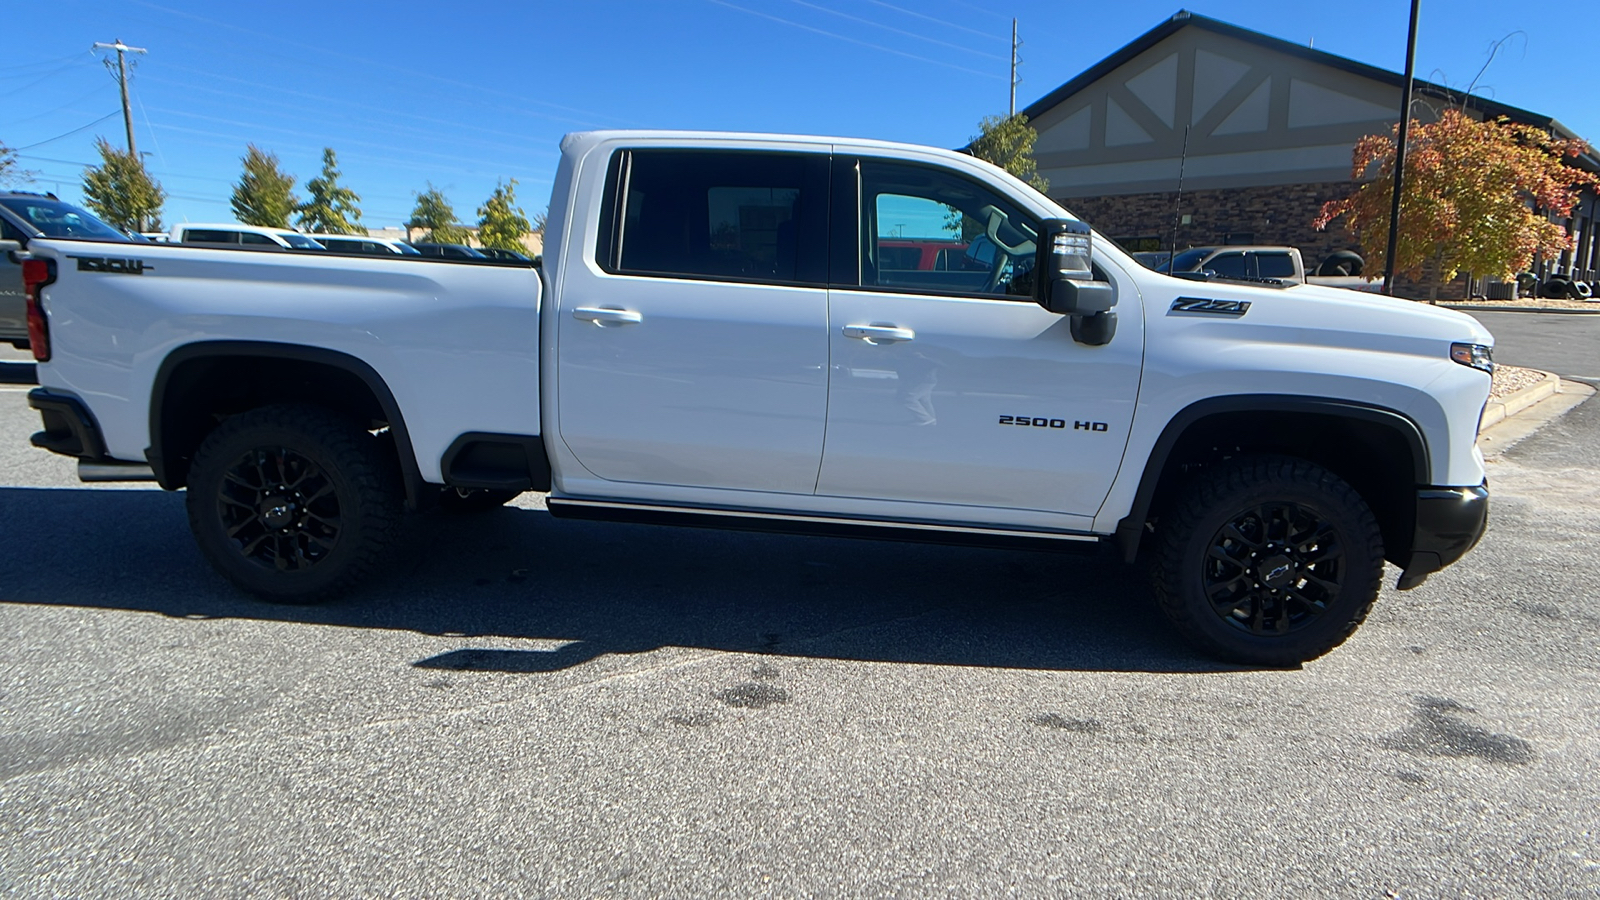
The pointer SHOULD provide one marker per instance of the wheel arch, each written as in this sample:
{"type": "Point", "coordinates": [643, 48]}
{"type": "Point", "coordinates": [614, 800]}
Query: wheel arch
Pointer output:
{"type": "Point", "coordinates": [196, 383]}
{"type": "Point", "coordinates": [1389, 460]}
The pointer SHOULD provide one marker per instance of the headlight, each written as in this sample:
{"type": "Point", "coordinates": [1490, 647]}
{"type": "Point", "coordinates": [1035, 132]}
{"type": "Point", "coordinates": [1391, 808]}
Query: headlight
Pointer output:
{"type": "Point", "coordinates": [1475, 355]}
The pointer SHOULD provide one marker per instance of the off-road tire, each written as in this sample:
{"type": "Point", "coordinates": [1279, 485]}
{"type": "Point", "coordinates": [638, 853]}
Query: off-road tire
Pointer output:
{"type": "Point", "coordinates": [1300, 617]}
{"type": "Point", "coordinates": [474, 500]}
{"type": "Point", "coordinates": [331, 485]}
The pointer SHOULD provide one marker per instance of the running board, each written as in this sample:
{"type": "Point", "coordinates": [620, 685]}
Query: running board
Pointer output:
{"type": "Point", "coordinates": [825, 526]}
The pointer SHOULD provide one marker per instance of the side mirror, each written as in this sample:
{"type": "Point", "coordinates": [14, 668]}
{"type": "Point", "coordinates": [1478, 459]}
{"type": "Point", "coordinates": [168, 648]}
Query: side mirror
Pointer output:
{"type": "Point", "coordinates": [1069, 288]}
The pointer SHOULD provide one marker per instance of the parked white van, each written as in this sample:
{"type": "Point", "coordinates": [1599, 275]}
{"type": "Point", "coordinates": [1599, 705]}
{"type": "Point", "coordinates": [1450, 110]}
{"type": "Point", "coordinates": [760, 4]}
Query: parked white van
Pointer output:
{"type": "Point", "coordinates": [245, 235]}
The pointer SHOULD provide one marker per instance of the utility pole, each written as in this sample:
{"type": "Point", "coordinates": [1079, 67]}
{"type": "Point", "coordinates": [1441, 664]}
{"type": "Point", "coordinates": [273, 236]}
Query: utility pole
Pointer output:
{"type": "Point", "coordinates": [1015, 44]}
{"type": "Point", "coordinates": [1400, 152]}
{"type": "Point", "coordinates": [122, 79]}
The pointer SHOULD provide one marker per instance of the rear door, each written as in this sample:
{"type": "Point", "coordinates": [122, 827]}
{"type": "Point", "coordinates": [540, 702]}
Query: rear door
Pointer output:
{"type": "Point", "coordinates": [694, 345]}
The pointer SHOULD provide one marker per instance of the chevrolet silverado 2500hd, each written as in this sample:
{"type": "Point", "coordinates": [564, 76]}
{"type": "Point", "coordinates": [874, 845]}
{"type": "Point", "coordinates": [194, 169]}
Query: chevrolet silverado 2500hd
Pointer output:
{"type": "Point", "coordinates": [716, 337]}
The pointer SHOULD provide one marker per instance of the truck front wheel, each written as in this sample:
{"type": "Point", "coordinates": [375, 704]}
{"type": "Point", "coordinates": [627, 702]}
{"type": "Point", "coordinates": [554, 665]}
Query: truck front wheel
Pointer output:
{"type": "Point", "coordinates": [293, 504]}
{"type": "Point", "coordinates": [1268, 561]}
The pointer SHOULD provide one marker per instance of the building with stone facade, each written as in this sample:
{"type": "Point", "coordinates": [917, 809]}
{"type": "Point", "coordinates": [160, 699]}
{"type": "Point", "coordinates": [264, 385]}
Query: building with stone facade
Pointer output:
{"type": "Point", "coordinates": [1262, 130]}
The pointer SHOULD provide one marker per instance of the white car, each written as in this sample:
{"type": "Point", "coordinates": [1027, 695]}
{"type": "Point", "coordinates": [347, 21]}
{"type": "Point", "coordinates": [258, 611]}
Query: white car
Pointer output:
{"type": "Point", "coordinates": [366, 244]}
{"type": "Point", "coordinates": [241, 235]}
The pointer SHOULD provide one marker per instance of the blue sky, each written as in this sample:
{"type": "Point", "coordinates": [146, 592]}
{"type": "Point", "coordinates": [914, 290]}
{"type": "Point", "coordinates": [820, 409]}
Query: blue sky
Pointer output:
{"type": "Point", "coordinates": [462, 96]}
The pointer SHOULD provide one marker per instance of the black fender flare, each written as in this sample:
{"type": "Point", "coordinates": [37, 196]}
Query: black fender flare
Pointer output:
{"type": "Point", "coordinates": [410, 474]}
{"type": "Point", "coordinates": [1130, 530]}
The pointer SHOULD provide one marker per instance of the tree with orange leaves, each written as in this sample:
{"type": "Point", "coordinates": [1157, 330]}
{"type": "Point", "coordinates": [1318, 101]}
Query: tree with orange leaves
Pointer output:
{"type": "Point", "coordinates": [1477, 196]}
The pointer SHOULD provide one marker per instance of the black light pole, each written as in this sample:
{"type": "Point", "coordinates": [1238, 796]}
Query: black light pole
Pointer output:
{"type": "Point", "coordinates": [1400, 152]}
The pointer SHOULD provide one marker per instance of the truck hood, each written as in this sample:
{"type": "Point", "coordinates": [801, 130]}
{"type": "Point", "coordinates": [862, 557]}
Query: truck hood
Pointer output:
{"type": "Point", "coordinates": [1340, 311]}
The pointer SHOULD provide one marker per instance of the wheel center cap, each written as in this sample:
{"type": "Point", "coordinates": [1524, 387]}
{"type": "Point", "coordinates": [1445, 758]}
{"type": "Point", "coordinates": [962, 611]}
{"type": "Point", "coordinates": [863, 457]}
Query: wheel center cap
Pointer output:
{"type": "Point", "coordinates": [1276, 571]}
{"type": "Point", "coordinates": [277, 512]}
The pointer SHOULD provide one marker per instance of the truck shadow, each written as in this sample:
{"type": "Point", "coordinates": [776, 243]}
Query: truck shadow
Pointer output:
{"type": "Point", "coordinates": [606, 588]}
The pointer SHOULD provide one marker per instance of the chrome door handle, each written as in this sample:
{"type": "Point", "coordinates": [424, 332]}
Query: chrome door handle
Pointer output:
{"type": "Point", "coordinates": [879, 334]}
{"type": "Point", "coordinates": [605, 316]}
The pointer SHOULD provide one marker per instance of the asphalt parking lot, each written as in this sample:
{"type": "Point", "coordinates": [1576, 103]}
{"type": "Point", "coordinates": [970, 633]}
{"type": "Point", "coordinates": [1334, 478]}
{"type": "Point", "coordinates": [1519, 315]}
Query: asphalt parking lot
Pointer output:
{"type": "Point", "coordinates": [526, 707]}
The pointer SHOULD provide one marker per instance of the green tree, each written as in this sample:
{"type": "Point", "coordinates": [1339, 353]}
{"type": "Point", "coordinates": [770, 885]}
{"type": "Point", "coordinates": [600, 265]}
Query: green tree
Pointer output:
{"type": "Point", "coordinates": [1478, 197]}
{"type": "Point", "coordinates": [264, 195]}
{"type": "Point", "coordinates": [1007, 141]}
{"type": "Point", "coordinates": [434, 216]}
{"type": "Point", "coordinates": [331, 207]}
{"type": "Point", "coordinates": [121, 192]}
{"type": "Point", "coordinates": [11, 172]}
{"type": "Point", "coordinates": [501, 223]}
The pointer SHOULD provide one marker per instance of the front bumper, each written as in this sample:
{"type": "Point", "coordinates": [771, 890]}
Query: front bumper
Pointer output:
{"type": "Point", "coordinates": [1449, 523]}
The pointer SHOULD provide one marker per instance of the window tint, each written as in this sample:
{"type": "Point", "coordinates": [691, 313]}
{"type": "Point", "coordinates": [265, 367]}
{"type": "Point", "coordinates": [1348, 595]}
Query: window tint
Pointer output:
{"type": "Point", "coordinates": [246, 237]}
{"type": "Point", "coordinates": [1275, 265]}
{"type": "Point", "coordinates": [210, 236]}
{"type": "Point", "coordinates": [1228, 265]}
{"type": "Point", "coordinates": [930, 230]}
{"type": "Point", "coordinates": [61, 220]}
{"type": "Point", "coordinates": [10, 232]}
{"type": "Point", "coordinates": [743, 216]}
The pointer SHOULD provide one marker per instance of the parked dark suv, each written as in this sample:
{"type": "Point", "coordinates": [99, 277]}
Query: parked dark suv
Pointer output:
{"type": "Point", "coordinates": [24, 216]}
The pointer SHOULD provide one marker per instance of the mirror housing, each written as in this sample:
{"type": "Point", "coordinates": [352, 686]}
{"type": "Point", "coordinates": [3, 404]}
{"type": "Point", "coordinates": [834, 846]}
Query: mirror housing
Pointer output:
{"type": "Point", "coordinates": [1069, 288]}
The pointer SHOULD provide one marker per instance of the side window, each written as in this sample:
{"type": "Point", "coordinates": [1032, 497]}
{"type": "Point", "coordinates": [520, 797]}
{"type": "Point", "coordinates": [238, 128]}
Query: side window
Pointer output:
{"type": "Point", "coordinates": [929, 230]}
{"type": "Point", "coordinates": [246, 237]}
{"type": "Point", "coordinates": [210, 236]}
{"type": "Point", "coordinates": [1275, 265]}
{"type": "Point", "coordinates": [1228, 265]}
{"type": "Point", "coordinates": [718, 215]}
{"type": "Point", "coordinates": [10, 232]}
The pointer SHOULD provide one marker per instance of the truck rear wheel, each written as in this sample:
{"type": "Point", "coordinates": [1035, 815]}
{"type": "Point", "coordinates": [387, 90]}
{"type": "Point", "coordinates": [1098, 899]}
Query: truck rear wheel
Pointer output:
{"type": "Point", "coordinates": [1268, 561]}
{"type": "Point", "coordinates": [294, 504]}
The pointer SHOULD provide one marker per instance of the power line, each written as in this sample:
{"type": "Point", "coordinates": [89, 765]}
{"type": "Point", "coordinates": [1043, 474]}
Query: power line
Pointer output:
{"type": "Point", "coordinates": [69, 133]}
{"type": "Point", "coordinates": [910, 34]}
{"type": "Point", "coordinates": [851, 40]}
{"type": "Point", "coordinates": [409, 73]}
{"type": "Point", "coordinates": [945, 22]}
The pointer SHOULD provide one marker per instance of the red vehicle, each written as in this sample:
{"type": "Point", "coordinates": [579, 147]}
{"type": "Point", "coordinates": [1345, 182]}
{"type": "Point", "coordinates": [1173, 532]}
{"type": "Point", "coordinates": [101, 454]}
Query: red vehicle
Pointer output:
{"type": "Point", "coordinates": [924, 255]}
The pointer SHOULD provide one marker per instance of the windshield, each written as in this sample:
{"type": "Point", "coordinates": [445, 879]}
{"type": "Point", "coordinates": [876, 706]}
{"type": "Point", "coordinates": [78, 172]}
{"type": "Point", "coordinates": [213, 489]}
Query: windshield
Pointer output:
{"type": "Point", "coordinates": [299, 241]}
{"type": "Point", "coordinates": [1185, 261]}
{"type": "Point", "coordinates": [55, 219]}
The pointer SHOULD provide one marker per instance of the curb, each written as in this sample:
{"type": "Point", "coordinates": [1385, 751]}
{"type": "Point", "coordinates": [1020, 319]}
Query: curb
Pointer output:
{"type": "Point", "coordinates": [1497, 411]}
{"type": "Point", "coordinates": [1461, 307]}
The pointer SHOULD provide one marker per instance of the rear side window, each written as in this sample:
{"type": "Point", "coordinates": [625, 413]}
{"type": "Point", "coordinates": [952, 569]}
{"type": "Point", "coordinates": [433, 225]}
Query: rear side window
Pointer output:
{"type": "Point", "coordinates": [210, 236]}
{"type": "Point", "coordinates": [1229, 265]}
{"type": "Point", "coordinates": [246, 237]}
{"type": "Point", "coordinates": [717, 215]}
{"type": "Point", "coordinates": [1275, 265]}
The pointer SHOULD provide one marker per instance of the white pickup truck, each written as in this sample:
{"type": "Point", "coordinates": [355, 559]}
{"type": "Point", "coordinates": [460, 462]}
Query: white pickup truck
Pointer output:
{"type": "Point", "coordinates": [719, 336]}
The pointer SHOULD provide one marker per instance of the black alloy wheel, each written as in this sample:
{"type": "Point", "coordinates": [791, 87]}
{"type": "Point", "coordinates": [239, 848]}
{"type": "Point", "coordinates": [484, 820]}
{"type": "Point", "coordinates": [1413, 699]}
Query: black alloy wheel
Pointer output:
{"type": "Point", "coordinates": [280, 508]}
{"type": "Point", "coordinates": [1273, 569]}
{"type": "Point", "coordinates": [1267, 560]}
{"type": "Point", "coordinates": [294, 504]}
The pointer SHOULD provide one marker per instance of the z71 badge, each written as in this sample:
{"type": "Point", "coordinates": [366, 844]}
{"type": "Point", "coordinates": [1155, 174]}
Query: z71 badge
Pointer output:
{"type": "Point", "coordinates": [1043, 422]}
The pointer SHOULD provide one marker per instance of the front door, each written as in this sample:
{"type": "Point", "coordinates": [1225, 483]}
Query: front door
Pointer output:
{"type": "Point", "coordinates": [694, 351]}
{"type": "Point", "coordinates": [953, 386]}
